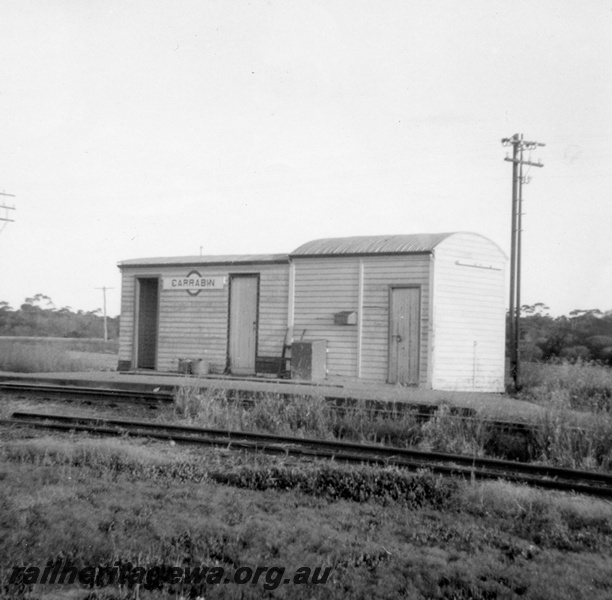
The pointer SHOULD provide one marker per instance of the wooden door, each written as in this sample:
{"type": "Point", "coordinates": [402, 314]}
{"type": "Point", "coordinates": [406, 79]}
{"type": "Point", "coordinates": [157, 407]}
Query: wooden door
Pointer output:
{"type": "Point", "coordinates": [404, 335]}
{"type": "Point", "coordinates": [242, 347]}
{"type": "Point", "coordinates": [148, 302]}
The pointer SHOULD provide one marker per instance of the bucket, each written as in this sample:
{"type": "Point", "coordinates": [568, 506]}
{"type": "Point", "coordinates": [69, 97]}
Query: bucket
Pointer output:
{"type": "Point", "coordinates": [200, 366]}
{"type": "Point", "coordinates": [184, 366]}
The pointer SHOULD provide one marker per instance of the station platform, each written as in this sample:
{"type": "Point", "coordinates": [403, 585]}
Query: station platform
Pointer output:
{"type": "Point", "coordinates": [490, 405]}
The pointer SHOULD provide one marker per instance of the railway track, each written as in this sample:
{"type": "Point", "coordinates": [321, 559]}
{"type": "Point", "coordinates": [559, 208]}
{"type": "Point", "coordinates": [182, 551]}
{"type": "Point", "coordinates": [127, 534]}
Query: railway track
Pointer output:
{"type": "Point", "coordinates": [585, 482]}
{"type": "Point", "coordinates": [161, 397]}
{"type": "Point", "coordinates": [71, 392]}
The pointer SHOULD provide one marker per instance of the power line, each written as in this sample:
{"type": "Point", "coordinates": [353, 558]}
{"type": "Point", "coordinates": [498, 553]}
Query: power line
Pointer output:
{"type": "Point", "coordinates": [519, 145]}
{"type": "Point", "coordinates": [6, 208]}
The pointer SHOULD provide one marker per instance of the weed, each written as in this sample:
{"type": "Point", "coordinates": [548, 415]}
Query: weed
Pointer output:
{"type": "Point", "coordinates": [360, 484]}
{"type": "Point", "coordinates": [560, 439]}
{"type": "Point", "coordinates": [575, 429]}
{"type": "Point", "coordinates": [305, 416]}
{"type": "Point", "coordinates": [579, 385]}
{"type": "Point", "coordinates": [444, 432]}
{"type": "Point", "coordinates": [362, 422]}
{"type": "Point", "coordinates": [271, 413]}
{"type": "Point", "coordinates": [549, 520]}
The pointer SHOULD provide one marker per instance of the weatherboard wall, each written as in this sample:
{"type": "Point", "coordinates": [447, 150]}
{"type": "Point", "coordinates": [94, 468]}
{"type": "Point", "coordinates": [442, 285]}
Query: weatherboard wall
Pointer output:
{"type": "Point", "coordinates": [381, 273]}
{"type": "Point", "coordinates": [197, 326]}
{"type": "Point", "coordinates": [326, 285]}
{"type": "Point", "coordinates": [126, 323]}
{"type": "Point", "coordinates": [321, 288]}
{"type": "Point", "coordinates": [468, 314]}
{"type": "Point", "coordinates": [460, 279]}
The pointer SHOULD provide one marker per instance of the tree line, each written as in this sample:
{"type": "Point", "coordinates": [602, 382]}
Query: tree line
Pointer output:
{"type": "Point", "coordinates": [39, 317]}
{"type": "Point", "coordinates": [582, 335]}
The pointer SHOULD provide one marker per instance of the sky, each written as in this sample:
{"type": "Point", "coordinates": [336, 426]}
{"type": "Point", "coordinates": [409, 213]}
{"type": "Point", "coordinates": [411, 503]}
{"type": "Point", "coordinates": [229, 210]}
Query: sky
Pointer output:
{"type": "Point", "coordinates": [150, 128]}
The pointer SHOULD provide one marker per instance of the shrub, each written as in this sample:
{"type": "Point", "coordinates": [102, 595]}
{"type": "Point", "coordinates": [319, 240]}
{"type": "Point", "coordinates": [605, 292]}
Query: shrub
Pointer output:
{"type": "Point", "coordinates": [606, 355]}
{"type": "Point", "coordinates": [574, 353]}
{"type": "Point", "coordinates": [359, 484]}
{"type": "Point", "coordinates": [601, 348]}
{"type": "Point", "coordinates": [531, 352]}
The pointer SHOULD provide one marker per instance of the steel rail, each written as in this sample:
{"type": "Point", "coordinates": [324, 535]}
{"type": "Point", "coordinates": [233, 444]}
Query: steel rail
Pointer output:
{"type": "Point", "coordinates": [144, 396]}
{"type": "Point", "coordinates": [541, 470]}
{"type": "Point", "coordinates": [448, 464]}
{"type": "Point", "coordinates": [284, 439]}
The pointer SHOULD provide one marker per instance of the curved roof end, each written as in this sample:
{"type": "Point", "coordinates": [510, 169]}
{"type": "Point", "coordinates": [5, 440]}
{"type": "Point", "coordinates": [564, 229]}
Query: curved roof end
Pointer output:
{"type": "Point", "coordinates": [372, 244]}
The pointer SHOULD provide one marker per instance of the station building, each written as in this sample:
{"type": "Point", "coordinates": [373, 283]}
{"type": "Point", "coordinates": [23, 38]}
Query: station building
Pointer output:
{"type": "Point", "coordinates": [423, 309]}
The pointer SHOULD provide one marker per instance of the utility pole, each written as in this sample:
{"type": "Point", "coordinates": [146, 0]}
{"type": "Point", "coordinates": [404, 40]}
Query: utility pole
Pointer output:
{"type": "Point", "coordinates": [6, 208]}
{"type": "Point", "coordinates": [104, 295]}
{"type": "Point", "coordinates": [519, 145]}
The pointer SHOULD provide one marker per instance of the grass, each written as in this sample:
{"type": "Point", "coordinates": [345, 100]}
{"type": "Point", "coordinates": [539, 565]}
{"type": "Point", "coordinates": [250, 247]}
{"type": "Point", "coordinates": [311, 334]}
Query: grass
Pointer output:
{"type": "Point", "coordinates": [575, 430]}
{"type": "Point", "coordinates": [581, 386]}
{"type": "Point", "coordinates": [313, 416]}
{"type": "Point", "coordinates": [97, 502]}
{"type": "Point", "coordinates": [45, 355]}
{"type": "Point", "coordinates": [563, 440]}
{"type": "Point", "coordinates": [301, 415]}
{"type": "Point", "coordinates": [561, 436]}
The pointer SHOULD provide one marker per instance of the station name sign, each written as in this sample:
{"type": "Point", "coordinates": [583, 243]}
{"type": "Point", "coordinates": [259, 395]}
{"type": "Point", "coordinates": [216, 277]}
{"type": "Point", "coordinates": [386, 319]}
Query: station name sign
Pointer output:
{"type": "Point", "coordinates": [193, 283]}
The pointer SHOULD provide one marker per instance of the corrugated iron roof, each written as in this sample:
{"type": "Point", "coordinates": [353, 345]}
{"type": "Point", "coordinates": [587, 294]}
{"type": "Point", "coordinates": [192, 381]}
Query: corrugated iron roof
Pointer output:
{"type": "Point", "coordinates": [228, 259]}
{"type": "Point", "coordinates": [372, 244]}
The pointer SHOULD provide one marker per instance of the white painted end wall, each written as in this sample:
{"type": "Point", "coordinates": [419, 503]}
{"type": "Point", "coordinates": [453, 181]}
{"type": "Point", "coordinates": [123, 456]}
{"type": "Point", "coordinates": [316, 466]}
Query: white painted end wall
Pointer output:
{"type": "Point", "coordinates": [468, 343]}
